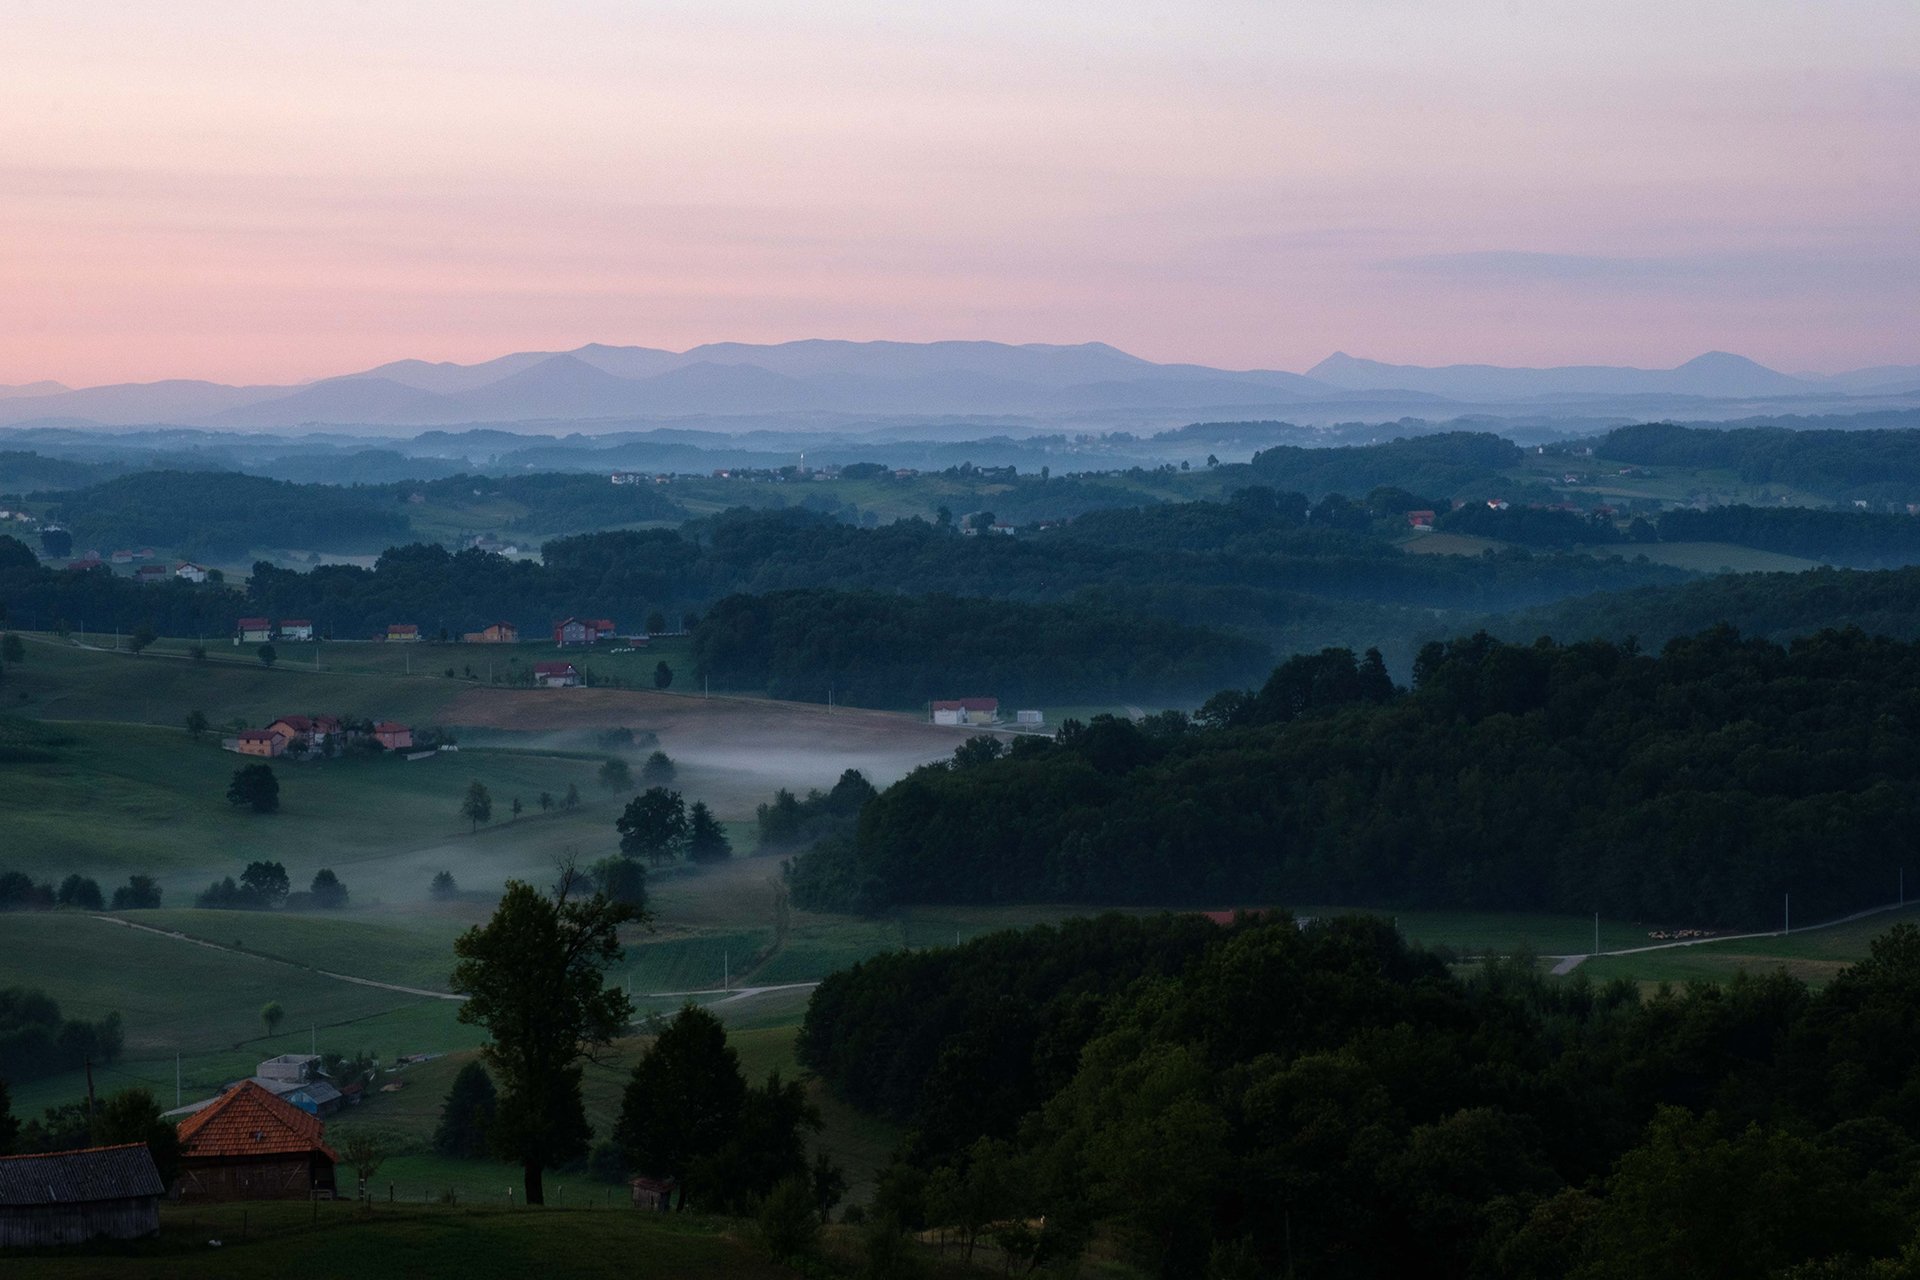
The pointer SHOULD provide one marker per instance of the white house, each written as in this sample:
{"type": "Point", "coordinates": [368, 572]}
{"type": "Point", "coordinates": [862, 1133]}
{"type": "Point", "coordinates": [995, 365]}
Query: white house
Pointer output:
{"type": "Point", "coordinates": [966, 711]}
{"type": "Point", "coordinates": [555, 675]}
{"type": "Point", "coordinates": [296, 629]}
{"type": "Point", "coordinates": [191, 572]}
{"type": "Point", "coordinates": [1029, 719]}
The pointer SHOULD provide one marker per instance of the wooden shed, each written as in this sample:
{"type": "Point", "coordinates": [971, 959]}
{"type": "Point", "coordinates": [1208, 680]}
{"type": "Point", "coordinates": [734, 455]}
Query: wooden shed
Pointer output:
{"type": "Point", "coordinates": [71, 1197]}
{"type": "Point", "coordinates": [250, 1145]}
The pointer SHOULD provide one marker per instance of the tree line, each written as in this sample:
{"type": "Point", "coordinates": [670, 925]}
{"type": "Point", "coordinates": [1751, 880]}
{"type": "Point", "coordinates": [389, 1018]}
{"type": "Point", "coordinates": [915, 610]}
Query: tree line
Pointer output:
{"type": "Point", "coordinates": [1693, 788]}
{"type": "Point", "coordinates": [1876, 464]}
{"type": "Point", "coordinates": [1268, 1098]}
{"type": "Point", "coordinates": [871, 649]}
{"type": "Point", "coordinates": [36, 1040]}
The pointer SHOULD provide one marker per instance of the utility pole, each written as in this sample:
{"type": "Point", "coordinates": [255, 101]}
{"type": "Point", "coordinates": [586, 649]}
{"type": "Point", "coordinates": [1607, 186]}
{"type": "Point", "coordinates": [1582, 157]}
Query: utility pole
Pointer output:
{"type": "Point", "coordinates": [1789, 914]}
{"type": "Point", "coordinates": [89, 1087]}
{"type": "Point", "coordinates": [1596, 933]}
{"type": "Point", "coordinates": [176, 1080]}
{"type": "Point", "coordinates": [726, 971]}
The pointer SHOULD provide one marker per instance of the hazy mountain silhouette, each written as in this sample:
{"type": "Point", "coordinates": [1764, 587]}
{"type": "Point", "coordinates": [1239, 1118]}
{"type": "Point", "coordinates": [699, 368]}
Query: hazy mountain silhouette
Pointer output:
{"type": "Point", "coordinates": [599, 382]}
{"type": "Point", "coordinates": [1716, 373]}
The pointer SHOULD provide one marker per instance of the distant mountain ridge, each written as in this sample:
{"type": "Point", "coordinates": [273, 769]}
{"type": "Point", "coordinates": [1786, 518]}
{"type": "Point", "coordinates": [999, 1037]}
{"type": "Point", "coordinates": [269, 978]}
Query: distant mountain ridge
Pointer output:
{"type": "Point", "coordinates": [612, 384]}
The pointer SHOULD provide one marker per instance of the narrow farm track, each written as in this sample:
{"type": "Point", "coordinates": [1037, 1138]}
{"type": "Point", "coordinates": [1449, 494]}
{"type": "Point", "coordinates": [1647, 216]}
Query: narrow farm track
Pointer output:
{"type": "Point", "coordinates": [1567, 964]}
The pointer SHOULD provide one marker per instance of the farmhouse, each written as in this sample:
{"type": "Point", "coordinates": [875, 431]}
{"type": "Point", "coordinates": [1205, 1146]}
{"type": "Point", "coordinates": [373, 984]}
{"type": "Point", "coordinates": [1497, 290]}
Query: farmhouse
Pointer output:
{"type": "Point", "coordinates": [394, 737]}
{"type": "Point", "coordinates": [71, 1197]}
{"type": "Point", "coordinates": [123, 557]}
{"type": "Point", "coordinates": [555, 675]}
{"type": "Point", "coordinates": [250, 1145]}
{"type": "Point", "coordinates": [259, 742]}
{"type": "Point", "coordinates": [403, 633]}
{"type": "Point", "coordinates": [1029, 719]}
{"type": "Point", "coordinates": [190, 571]}
{"type": "Point", "coordinates": [966, 711]}
{"type": "Point", "coordinates": [603, 629]}
{"type": "Point", "coordinates": [573, 631]}
{"type": "Point", "coordinates": [150, 573]}
{"type": "Point", "coordinates": [497, 633]}
{"type": "Point", "coordinates": [1420, 520]}
{"type": "Point", "coordinates": [296, 629]}
{"type": "Point", "coordinates": [253, 631]}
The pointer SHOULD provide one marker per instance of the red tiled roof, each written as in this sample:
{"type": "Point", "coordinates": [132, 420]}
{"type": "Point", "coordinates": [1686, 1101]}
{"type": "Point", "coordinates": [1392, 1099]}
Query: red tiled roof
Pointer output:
{"type": "Point", "coordinates": [401, 628]}
{"type": "Point", "coordinates": [391, 726]}
{"type": "Point", "coordinates": [553, 668]}
{"type": "Point", "coordinates": [603, 624]}
{"type": "Point", "coordinates": [254, 735]}
{"type": "Point", "coordinates": [969, 704]}
{"type": "Point", "coordinates": [249, 1121]}
{"type": "Point", "coordinates": [251, 624]}
{"type": "Point", "coordinates": [300, 723]}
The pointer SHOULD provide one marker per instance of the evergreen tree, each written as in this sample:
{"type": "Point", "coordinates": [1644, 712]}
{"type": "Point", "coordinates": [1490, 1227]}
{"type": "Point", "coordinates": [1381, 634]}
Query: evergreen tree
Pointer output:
{"type": "Point", "coordinates": [467, 1114]}
{"type": "Point", "coordinates": [706, 838]}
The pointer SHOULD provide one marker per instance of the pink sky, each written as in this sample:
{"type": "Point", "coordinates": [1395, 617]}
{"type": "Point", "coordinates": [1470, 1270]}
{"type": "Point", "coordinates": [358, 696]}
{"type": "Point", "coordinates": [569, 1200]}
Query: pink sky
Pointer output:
{"type": "Point", "coordinates": [270, 193]}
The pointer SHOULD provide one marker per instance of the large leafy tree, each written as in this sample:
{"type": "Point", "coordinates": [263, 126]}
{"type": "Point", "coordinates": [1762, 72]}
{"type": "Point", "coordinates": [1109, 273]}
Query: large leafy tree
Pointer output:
{"type": "Point", "coordinates": [684, 1100]}
{"type": "Point", "coordinates": [267, 882]}
{"type": "Point", "coordinates": [255, 787]}
{"type": "Point", "coordinates": [654, 825]}
{"type": "Point", "coordinates": [132, 1115]}
{"type": "Point", "coordinates": [534, 978]}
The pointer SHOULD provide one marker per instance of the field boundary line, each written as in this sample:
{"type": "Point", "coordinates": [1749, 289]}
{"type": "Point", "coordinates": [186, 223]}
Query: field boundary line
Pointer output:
{"type": "Point", "coordinates": [179, 936]}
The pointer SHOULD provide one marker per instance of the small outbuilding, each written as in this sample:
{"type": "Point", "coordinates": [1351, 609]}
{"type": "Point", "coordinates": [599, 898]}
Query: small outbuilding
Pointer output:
{"type": "Point", "coordinates": [652, 1194]}
{"type": "Point", "coordinates": [71, 1197]}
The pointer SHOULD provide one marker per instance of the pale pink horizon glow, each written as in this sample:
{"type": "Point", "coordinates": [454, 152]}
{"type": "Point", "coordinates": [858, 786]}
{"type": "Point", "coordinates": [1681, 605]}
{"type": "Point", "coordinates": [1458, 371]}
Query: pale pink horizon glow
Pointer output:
{"type": "Point", "coordinates": [253, 193]}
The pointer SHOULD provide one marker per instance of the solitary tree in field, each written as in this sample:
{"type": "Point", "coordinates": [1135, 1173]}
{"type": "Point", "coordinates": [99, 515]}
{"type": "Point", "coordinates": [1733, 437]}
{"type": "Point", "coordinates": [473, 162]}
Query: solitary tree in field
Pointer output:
{"type": "Point", "coordinates": [272, 1015]}
{"type": "Point", "coordinates": [662, 676]}
{"type": "Point", "coordinates": [444, 886]}
{"type": "Point", "coordinates": [654, 825]}
{"type": "Point", "coordinates": [534, 978]}
{"type": "Point", "coordinates": [573, 796]}
{"type": "Point", "coordinates": [477, 807]}
{"type": "Point", "coordinates": [196, 725]}
{"type": "Point", "coordinates": [327, 890]}
{"type": "Point", "coordinates": [365, 1150]}
{"type": "Point", "coordinates": [614, 776]}
{"type": "Point", "coordinates": [142, 637]}
{"type": "Point", "coordinates": [255, 787]}
{"type": "Point", "coordinates": [267, 654]}
{"type": "Point", "coordinates": [546, 801]}
{"type": "Point", "coordinates": [658, 771]}
{"type": "Point", "coordinates": [656, 623]}
{"type": "Point", "coordinates": [517, 806]}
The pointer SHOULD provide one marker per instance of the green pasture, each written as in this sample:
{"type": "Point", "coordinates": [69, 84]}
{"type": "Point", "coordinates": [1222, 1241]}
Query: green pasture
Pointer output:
{"type": "Point", "coordinates": [465, 1241]}
{"type": "Point", "coordinates": [121, 799]}
{"type": "Point", "coordinates": [1815, 956]}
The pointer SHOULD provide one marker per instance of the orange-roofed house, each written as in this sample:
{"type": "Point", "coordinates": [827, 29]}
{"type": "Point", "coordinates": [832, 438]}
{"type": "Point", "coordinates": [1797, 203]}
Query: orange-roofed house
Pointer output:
{"type": "Point", "coordinates": [250, 1145]}
{"type": "Point", "coordinates": [394, 737]}
{"type": "Point", "coordinates": [403, 633]}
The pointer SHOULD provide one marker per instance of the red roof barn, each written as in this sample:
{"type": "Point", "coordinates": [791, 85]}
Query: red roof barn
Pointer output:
{"type": "Point", "coordinates": [250, 1145]}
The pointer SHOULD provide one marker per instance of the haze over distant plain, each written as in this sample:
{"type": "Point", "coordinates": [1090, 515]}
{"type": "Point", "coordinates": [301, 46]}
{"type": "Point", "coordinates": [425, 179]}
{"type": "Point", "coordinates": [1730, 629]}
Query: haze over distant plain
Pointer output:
{"type": "Point", "coordinates": [266, 194]}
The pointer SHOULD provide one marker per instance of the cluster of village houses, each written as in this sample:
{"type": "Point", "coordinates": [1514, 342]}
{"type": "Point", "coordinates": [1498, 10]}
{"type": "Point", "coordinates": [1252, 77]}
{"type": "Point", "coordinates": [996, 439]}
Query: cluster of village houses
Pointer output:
{"type": "Point", "coordinates": [185, 570]}
{"type": "Point", "coordinates": [261, 1138]}
{"type": "Point", "coordinates": [302, 734]}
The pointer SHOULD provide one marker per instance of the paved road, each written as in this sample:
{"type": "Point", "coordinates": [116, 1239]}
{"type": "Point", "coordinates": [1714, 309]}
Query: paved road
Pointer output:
{"type": "Point", "coordinates": [177, 936]}
{"type": "Point", "coordinates": [1567, 964]}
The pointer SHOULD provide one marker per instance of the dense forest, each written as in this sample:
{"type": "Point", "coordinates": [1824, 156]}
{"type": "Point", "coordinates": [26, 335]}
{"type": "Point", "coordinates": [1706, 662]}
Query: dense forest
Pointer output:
{"type": "Point", "coordinates": [1862, 539]}
{"type": "Point", "coordinates": [1776, 606]}
{"type": "Point", "coordinates": [1693, 788]}
{"type": "Point", "coordinates": [872, 649]}
{"type": "Point", "coordinates": [1270, 1099]}
{"type": "Point", "coordinates": [210, 514]}
{"type": "Point", "coordinates": [1452, 463]}
{"type": "Point", "coordinates": [1876, 465]}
